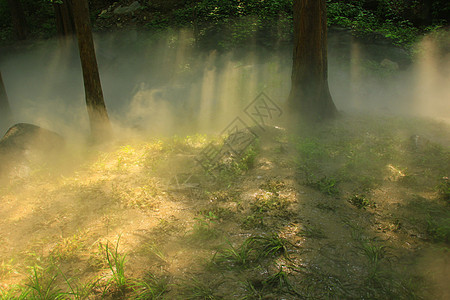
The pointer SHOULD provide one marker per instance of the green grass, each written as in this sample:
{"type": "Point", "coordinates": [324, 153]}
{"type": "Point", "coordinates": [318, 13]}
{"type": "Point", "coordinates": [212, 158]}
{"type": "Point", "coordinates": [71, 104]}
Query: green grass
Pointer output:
{"type": "Point", "coordinates": [42, 284]}
{"type": "Point", "coordinates": [150, 287]}
{"type": "Point", "coordinates": [251, 251]}
{"type": "Point", "coordinates": [116, 263]}
{"type": "Point", "coordinates": [204, 227]}
{"type": "Point", "coordinates": [194, 288]}
{"type": "Point", "coordinates": [360, 201]}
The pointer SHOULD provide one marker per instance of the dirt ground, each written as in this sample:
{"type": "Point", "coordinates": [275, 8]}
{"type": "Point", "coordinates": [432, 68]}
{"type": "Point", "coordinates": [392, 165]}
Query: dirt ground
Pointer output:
{"type": "Point", "coordinates": [332, 213]}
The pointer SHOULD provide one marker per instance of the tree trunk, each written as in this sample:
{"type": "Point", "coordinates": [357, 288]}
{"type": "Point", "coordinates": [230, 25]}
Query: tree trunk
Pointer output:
{"type": "Point", "coordinates": [310, 95]}
{"type": "Point", "coordinates": [98, 116]}
{"type": "Point", "coordinates": [18, 19]}
{"type": "Point", "coordinates": [5, 110]}
{"type": "Point", "coordinates": [64, 18]}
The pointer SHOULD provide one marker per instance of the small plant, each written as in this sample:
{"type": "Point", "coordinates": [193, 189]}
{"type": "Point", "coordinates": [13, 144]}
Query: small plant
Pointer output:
{"type": "Point", "coordinates": [116, 263]}
{"type": "Point", "coordinates": [325, 185]}
{"type": "Point", "coordinates": [80, 291]}
{"type": "Point", "coordinates": [269, 246]}
{"type": "Point", "coordinates": [280, 282]}
{"type": "Point", "coordinates": [375, 253]}
{"type": "Point", "coordinates": [150, 287]}
{"type": "Point", "coordinates": [196, 289]}
{"type": "Point", "coordinates": [255, 220]}
{"type": "Point", "coordinates": [438, 229]}
{"type": "Point", "coordinates": [14, 292]}
{"type": "Point", "coordinates": [68, 248]}
{"type": "Point", "coordinates": [43, 286]}
{"type": "Point", "coordinates": [444, 189]}
{"type": "Point", "coordinates": [204, 227]}
{"type": "Point", "coordinates": [268, 202]}
{"type": "Point", "coordinates": [360, 201]}
{"type": "Point", "coordinates": [273, 186]}
{"type": "Point", "coordinates": [235, 257]}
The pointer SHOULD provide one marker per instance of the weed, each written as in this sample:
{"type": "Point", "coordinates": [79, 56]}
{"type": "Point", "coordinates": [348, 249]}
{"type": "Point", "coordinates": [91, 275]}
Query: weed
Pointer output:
{"type": "Point", "coordinates": [235, 257]}
{"type": "Point", "coordinates": [253, 290]}
{"type": "Point", "coordinates": [360, 201]}
{"type": "Point", "coordinates": [443, 189]}
{"type": "Point", "coordinates": [280, 282]}
{"type": "Point", "coordinates": [375, 253]}
{"type": "Point", "coordinates": [268, 246]}
{"type": "Point", "coordinates": [80, 291]}
{"type": "Point", "coordinates": [150, 287]}
{"type": "Point", "coordinates": [273, 186]}
{"type": "Point", "coordinates": [438, 229]}
{"type": "Point", "coordinates": [250, 251]}
{"type": "Point", "coordinates": [6, 268]}
{"type": "Point", "coordinates": [267, 202]}
{"type": "Point", "coordinates": [152, 249]}
{"type": "Point", "coordinates": [255, 220]}
{"type": "Point", "coordinates": [14, 292]}
{"type": "Point", "coordinates": [68, 248]}
{"type": "Point", "coordinates": [42, 285]}
{"type": "Point", "coordinates": [311, 231]}
{"type": "Point", "coordinates": [325, 185]}
{"type": "Point", "coordinates": [204, 227]}
{"type": "Point", "coordinates": [196, 289]}
{"type": "Point", "coordinates": [116, 263]}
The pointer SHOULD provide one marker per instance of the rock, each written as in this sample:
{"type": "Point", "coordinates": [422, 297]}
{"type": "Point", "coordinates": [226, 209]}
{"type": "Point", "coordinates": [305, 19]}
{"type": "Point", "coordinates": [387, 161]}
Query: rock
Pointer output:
{"type": "Point", "coordinates": [24, 144]}
{"type": "Point", "coordinates": [133, 7]}
{"type": "Point", "coordinates": [390, 65]}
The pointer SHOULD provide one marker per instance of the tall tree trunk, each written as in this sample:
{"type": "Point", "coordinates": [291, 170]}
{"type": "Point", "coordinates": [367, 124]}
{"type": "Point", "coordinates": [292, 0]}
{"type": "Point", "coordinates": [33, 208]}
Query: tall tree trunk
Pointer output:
{"type": "Point", "coordinates": [18, 19]}
{"type": "Point", "coordinates": [64, 18]}
{"type": "Point", "coordinates": [310, 95]}
{"type": "Point", "coordinates": [5, 110]}
{"type": "Point", "coordinates": [98, 116]}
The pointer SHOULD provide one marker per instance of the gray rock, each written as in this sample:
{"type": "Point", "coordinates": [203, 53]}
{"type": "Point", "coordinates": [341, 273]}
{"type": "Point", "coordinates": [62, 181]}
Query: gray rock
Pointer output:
{"type": "Point", "coordinates": [123, 10]}
{"type": "Point", "coordinates": [390, 65]}
{"type": "Point", "coordinates": [24, 144]}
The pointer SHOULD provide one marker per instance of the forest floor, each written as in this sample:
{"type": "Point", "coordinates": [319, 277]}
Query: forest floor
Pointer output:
{"type": "Point", "coordinates": [355, 209]}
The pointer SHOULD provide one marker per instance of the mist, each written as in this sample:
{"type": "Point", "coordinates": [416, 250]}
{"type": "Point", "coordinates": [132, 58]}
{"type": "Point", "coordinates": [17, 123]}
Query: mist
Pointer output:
{"type": "Point", "coordinates": [334, 196]}
{"type": "Point", "coordinates": [164, 85]}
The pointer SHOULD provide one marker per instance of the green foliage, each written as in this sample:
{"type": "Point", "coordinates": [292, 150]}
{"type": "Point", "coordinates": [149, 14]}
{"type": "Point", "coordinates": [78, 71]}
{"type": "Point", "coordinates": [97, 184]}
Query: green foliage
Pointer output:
{"type": "Point", "coordinates": [43, 284]}
{"type": "Point", "coordinates": [204, 227]}
{"type": "Point", "coordinates": [116, 263]}
{"type": "Point", "coordinates": [150, 287]}
{"type": "Point", "coordinates": [438, 229]}
{"type": "Point", "coordinates": [325, 185]}
{"type": "Point", "coordinates": [360, 201]}
{"type": "Point", "coordinates": [443, 189]}
{"type": "Point", "coordinates": [197, 289]}
{"type": "Point", "coordinates": [252, 250]}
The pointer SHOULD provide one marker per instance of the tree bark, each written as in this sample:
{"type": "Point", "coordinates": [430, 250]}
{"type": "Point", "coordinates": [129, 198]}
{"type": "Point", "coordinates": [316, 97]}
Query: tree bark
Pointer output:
{"type": "Point", "coordinates": [5, 109]}
{"type": "Point", "coordinates": [18, 19]}
{"type": "Point", "coordinates": [98, 115]}
{"type": "Point", "coordinates": [64, 18]}
{"type": "Point", "coordinates": [310, 95]}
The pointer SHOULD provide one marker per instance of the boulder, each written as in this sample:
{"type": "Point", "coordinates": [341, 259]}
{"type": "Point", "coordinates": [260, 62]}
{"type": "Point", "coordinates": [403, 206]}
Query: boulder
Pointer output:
{"type": "Point", "coordinates": [124, 10]}
{"type": "Point", "coordinates": [24, 144]}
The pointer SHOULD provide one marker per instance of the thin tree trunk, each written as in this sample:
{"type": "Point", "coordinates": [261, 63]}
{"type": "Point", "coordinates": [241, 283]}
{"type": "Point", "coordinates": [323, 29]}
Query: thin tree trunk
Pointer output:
{"type": "Point", "coordinates": [310, 95]}
{"type": "Point", "coordinates": [64, 18]}
{"type": "Point", "coordinates": [18, 19]}
{"type": "Point", "coordinates": [98, 116]}
{"type": "Point", "coordinates": [5, 109]}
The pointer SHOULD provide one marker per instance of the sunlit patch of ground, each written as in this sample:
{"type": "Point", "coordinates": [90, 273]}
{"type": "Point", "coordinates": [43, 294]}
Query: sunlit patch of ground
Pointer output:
{"type": "Point", "coordinates": [357, 208]}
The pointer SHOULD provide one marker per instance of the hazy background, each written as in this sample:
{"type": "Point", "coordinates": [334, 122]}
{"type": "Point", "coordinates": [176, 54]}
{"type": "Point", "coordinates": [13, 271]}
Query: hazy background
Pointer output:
{"type": "Point", "coordinates": [163, 85]}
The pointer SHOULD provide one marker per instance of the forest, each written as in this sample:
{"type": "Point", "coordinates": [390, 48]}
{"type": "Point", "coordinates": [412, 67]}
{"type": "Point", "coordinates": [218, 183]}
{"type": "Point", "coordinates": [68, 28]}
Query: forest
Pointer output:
{"type": "Point", "coordinates": [234, 149]}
